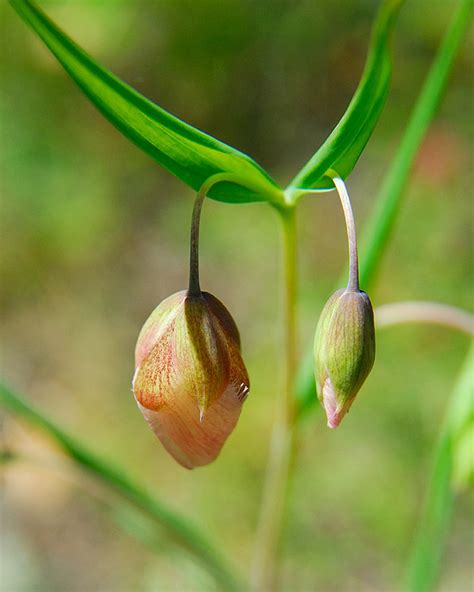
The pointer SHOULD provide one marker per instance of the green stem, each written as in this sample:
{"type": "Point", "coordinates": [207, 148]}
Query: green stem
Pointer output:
{"type": "Point", "coordinates": [353, 283]}
{"type": "Point", "coordinates": [282, 448]}
{"type": "Point", "coordinates": [290, 279]}
{"type": "Point", "coordinates": [180, 529]}
{"type": "Point", "coordinates": [194, 286]}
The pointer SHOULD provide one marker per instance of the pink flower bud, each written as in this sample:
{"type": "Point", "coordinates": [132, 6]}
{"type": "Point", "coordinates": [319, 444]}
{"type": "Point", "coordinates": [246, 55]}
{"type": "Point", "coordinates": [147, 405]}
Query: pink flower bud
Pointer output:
{"type": "Point", "coordinates": [190, 380]}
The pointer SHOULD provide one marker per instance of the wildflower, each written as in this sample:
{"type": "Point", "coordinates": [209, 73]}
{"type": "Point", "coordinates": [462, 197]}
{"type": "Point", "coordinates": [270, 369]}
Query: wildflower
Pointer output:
{"type": "Point", "coordinates": [344, 351]}
{"type": "Point", "coordinates": [190, 381]}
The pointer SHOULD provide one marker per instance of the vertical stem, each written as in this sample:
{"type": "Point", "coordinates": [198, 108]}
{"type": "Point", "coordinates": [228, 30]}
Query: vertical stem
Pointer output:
{"type": "Point", "coordinates": [194, 287]}
{"type": "Point", "coordinates": [282, 447]}
{"type": "Point", "coordinates": [290, 265]}
{"type": "Point", "coordinates": [353, 283]}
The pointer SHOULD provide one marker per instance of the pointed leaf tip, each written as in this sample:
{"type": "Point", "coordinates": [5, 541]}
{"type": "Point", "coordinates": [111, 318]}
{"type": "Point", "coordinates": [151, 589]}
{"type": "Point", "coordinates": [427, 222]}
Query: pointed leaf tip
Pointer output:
{"type": "Point", "coordinates": [346, 142]}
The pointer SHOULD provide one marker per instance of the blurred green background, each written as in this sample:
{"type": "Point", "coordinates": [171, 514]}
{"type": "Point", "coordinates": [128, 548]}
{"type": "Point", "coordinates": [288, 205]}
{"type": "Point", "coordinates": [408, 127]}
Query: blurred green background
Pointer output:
{"type": "Point", "coordinates": [94, 235]}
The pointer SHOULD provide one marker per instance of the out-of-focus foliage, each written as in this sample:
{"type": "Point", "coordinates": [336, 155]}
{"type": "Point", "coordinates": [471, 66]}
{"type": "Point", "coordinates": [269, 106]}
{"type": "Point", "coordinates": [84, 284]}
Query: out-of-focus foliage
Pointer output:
{"type": "Point", "coordinates": [94, 235]}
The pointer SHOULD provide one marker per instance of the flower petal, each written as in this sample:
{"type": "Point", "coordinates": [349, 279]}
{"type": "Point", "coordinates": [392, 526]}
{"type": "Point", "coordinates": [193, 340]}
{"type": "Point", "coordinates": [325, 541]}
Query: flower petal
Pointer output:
{"type": "Point", "coordinates": [156, 324]}
{"type": "Point", "coordinates": [189, 441]}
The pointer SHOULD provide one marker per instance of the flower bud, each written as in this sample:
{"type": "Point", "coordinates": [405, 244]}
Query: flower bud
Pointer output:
{"type": "Point", "coordinates": [344, 351]}
{"type": "Point", "coordinates": [190, 380]}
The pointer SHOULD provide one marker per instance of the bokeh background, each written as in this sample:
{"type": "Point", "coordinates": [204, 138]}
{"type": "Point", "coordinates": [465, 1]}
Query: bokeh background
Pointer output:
{"type": "Point", "coordinates": [94, 234]}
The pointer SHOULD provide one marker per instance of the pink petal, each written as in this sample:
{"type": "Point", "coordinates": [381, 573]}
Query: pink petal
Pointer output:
{"type": "Point", "coordinates": [191, 442]}
{"type": "Point", "coordinates": [334, 413]}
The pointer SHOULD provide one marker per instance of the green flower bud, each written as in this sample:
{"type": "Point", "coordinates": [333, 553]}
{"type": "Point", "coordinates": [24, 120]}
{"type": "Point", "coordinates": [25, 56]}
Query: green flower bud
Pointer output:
{"type": "Point", "coordinates": [190, 380]}
{"type": "Point", "coordinates": [344, 351]}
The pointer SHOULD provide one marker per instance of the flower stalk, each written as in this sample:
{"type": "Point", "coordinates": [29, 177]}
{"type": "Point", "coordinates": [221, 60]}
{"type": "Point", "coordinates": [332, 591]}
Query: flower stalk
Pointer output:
{"type": "Point", "coordinates": [353, 283]}
{"type": "Point", "coordinates": [194, 285]}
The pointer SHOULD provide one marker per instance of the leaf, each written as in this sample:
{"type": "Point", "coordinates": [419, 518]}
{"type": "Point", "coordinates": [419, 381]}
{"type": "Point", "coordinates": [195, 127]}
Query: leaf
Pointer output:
{"type": "Point", "coordinates": [345, 144]}
{"type": "Point", "coordinates": [188, 153]}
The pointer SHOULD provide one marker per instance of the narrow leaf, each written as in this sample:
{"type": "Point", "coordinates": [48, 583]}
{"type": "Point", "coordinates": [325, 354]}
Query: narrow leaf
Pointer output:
{"type": "Point", "coordinates": [188, 153]}
{"type": "Point", "coordinates": [345, 144]}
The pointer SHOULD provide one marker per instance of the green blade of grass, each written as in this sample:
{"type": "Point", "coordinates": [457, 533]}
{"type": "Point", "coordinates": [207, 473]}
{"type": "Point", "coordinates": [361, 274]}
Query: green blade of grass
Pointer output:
{"type": "Point", "coordinates": [425, 559]}
{"type": "Point", "coordinates": [188, 153]}
{"type": "Point", "coordinates": [178, 528]}
{"type": "Point", "coordinates": [346, 142]}
{"type": "Point", "coordinates": [378, 231]}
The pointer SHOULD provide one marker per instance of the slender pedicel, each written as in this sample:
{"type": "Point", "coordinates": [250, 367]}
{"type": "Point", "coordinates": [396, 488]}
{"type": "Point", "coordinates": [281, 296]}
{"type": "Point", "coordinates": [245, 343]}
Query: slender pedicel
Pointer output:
{"type": "Point", "coordinates": [353, 283]}
{"type": "Point", "coordinates": [194, 287]}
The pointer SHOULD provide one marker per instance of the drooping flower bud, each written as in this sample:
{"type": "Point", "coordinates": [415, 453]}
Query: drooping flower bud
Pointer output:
{"type": "Point", "coordinates": [190, 380]}
{"type": "Point", "coordinates": [344, 351]}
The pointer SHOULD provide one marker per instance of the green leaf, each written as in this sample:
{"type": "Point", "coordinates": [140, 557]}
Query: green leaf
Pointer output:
{"type": "Point", "coordinates": [188, 153]}
{"type": "Point", "coordinates": [345, 144]}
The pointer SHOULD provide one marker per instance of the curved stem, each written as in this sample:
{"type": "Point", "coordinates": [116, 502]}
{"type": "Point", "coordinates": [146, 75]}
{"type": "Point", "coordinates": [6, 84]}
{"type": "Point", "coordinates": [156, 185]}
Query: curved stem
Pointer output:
{"type": "Point", "coordinates": [353, 283]}
{"type": "Point", "coordinates": [424, 312]}
{"type": "Point", "coordinates": [194, 287]}
{"type": "Point", "coordinates": [282, 447]}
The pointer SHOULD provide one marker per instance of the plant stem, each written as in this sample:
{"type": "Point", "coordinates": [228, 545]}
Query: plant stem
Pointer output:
{"type": "Point", "coordinates": [424, 312]}
{"type": "Point", "coordinates": [290, 279]}
{"type": "Point", "coordinates": [194, 287]}
{"type": "Point", "coordinates": [282, 447]}
{"type": "Point", "coordinates": [353, 283]}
